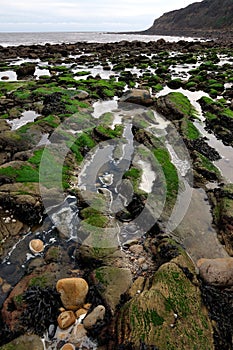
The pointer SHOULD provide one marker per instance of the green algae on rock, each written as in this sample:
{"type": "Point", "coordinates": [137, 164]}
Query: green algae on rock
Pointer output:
{"type": "Point", "coordinates": [170, 314]}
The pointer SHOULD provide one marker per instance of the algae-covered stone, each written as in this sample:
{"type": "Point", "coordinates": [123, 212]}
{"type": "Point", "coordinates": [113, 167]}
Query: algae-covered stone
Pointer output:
{"type": "Point", "coordinates": [169, 315]}
{"type": "Point", "coordinates": [222, 203]}
{"type": "Point", "coordinates": [24, 342]}
{"type": "Point", "coordinates": [175, 106]}
{"type": "Point", "coordinates": [112, 282]}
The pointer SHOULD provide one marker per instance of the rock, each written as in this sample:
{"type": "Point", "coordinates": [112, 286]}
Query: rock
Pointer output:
{"type": "Point", "coordinates": [137, 249]}
{"type": "Point", "coordinates": [218, 272]}
{"type": "Point", "coordinates": [25, 342]}
{"type": "Point", "coordinates": [169, 314]}
{"type": "Point", "coordinates": [137, 96]}
{"type": "Point", "coordinates": [6, 287]}
{"type": "Point", "coordinates": [9, 227]}
{"type": "Point", "coordinates": [25, 70]}
{"type": "Point", "coordinates": [36, 246]}
{"type": "Point", "coordinates": [92, 318]}
{"type": "Point", "coordinates": [23, 199]}
{"type": "Point", "coordinates": [78, 334]}
{"type": "Point", "coordinates": [222, 203]}
{"type": "Point", "coordinates": [175, 106]}
{"type": "Point", "coordinates": [137, 287]}
{"type": "Point", "coordinates": [68, 346]}
{"type": "Point", "coordinates": [66, 319]}
{"type": "Point", "coordinates": [112, 282]}
{"type": "Point", "coordinates": [73, 292]}
{"type": "Point", "coordinates": [80, 312]}
{"type": "Point", "coordinates": [81, 95]}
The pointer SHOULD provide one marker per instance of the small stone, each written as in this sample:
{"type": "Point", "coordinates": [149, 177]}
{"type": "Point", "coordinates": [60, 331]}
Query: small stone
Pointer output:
{"type": "Point", "coordinates": [145, 267]}
{"type": "Point", "coordinates": [73, 292]}
{"type": "Point", "coordinates": [66, 319]}
{"type": "Point", "coordinates": [137, 249]}
{"type": "Point", "coordinates": [36, 246]}
{"type": "Point", "coordinates": [87, 306]}
{"type": "Point", "coordinates": [80, 312]}
{"type": "Point", "coordinates": [78, 334]}
{"type": "Point", "coordinates": [81, 95]}
{"type": "Point", "coordinates": [91, 319]}
{"type": "Point", "coordinates": [6, 287]}
{"type": "Point", "coordinates": [141, 260]}
{"type": "Point", "coordinates": [68, 346]}
{"type": "Point", "coordinates": [51, 331]}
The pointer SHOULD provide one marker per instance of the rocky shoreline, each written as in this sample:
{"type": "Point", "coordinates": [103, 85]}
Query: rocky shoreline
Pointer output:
{"type": "Point", "coordinates": [143, 292]}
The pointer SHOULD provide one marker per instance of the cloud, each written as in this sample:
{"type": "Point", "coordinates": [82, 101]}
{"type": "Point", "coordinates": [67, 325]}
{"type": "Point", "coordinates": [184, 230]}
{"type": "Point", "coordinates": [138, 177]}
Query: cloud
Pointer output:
{"type": "Point", "coordinates": [88, 15]}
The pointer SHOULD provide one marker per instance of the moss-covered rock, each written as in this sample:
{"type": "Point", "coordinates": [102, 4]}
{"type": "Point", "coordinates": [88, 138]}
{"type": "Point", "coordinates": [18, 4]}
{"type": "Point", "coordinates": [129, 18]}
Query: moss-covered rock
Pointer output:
{"type": "Point", "coordinates": [170, 315]}
{"type": "Point", "coordinates": [112, 283]}
{"type": "Point", "coordinates": [175, 106]}
{"type": "Point", "coordinates": [24, 342]}
{"type": "Point", "coordinates": [219, 118]}
{"type": "Point", "coordinates": [222, 204]}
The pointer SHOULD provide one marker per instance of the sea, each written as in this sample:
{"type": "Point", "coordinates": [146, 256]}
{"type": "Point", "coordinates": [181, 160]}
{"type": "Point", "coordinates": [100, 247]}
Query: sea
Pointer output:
{"type": "Point", "coordinates": [20, 38]}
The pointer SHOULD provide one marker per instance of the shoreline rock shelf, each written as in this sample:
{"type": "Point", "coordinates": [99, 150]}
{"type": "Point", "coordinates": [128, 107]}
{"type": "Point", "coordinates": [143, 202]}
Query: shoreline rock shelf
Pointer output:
{"type": "Point", "coordinates": [142, 290]}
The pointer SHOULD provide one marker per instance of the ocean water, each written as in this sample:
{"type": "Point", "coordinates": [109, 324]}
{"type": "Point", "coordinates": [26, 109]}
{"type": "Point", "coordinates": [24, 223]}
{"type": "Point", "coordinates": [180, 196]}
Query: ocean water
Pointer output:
{"type": "Point", "coordinates": [15, 39]}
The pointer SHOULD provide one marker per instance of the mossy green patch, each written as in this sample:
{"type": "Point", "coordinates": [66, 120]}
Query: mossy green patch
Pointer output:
{"type": "Point", "coordinates": [94, 218]}
{"type": "Point", "coordinates": [170, 172]}
{"type": "Point", "coordinates": [25, 173]}
{"type": "Point", "coordinates": [182, 104]}
{"type": "Point", "coordinates": [39, 281]}
{"type": "Point", "coordinates": [110, 133]}
{"type": "Point", "coordinates": [189, 130]}
{"type": "Point", "coordinates": [134, 175]}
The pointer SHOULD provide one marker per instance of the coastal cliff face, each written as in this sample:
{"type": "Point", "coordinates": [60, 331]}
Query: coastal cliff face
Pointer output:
{"type": "Point", "coordinates": [205, 17]}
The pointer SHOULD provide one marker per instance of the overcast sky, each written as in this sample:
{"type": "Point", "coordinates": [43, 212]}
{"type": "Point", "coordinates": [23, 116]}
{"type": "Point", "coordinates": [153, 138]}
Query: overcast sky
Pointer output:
{"type": "Point", "coordinates": [86, 15]}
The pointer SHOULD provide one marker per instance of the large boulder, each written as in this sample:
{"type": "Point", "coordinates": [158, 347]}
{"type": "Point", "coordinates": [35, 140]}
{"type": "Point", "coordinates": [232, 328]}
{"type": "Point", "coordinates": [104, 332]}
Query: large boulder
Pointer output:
{"type": "Point", "coordinates": [218, 272]}
{"type": "Point", "coordinates": [73, 292]}
{"type": "Point", "coordinates": [169, 314]}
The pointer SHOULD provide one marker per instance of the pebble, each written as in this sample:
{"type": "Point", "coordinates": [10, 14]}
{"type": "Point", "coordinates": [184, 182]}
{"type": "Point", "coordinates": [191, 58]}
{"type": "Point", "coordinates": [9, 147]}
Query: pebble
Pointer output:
{"type": "Point", "coordinates": [80, 312]}
{"type": "Point", "coordinates": [66, 319]}
{"type": "Point", "coordinates": [91, 319]}
{"type": "Point", "coordinates": [141, 260]}
{"type": "Point", "coordinates": [36, 246]}
{"type": "Point", "coordinates": [78, 334]}
{"type": "Point", "coordinates": [6, 287]}
{"type": "Point", "coordinates": [137, 249]}
{"type": "Point", "coordinates": [68, 346]}
{"type": "Point", "coordinates": [51, 331]}
{"type": "Point", "coordinates": [145, 267]}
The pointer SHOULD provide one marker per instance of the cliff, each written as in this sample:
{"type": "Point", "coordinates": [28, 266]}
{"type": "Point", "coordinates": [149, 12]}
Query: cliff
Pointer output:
{"type": "Point", "coordinates": [206, 18]}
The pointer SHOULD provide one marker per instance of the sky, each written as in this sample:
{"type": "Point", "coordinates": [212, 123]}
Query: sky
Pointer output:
{"type": "Point", "coordinates": [81, 16]}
